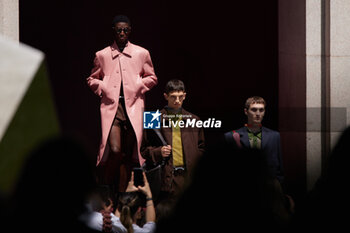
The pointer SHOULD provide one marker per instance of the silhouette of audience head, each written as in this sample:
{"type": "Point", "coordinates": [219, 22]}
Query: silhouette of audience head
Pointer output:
{"type": "Point", "coordinates": [338, 164]}
{"type": "Point", "coordinates": [327, 204]}
{"type": "Point", "coordinates": [102, 198]}
{"type": "Point", "coordinates": [53, 186]}
{"type": "Point", "coordinates": [230, 189]}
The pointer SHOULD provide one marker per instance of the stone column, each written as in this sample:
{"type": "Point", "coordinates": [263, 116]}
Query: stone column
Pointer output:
{"type": "Point", "coordinates": [9, 19]}
{"type": "Point", "coordinates": [315, 75]}
{"type": "Point", "coordinates": [339, 67]}
{"type": "Point", "coordinates": [314, 72]}
{"type": "Point", "coordinates": [328, 80]}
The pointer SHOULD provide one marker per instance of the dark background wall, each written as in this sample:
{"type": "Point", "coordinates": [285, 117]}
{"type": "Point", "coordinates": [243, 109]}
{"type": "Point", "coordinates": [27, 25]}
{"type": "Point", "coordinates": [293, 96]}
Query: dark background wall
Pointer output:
{"type": "Point", "coordinates": [292, 91]}
{"type": "Point", "coordinates": [224, 52]}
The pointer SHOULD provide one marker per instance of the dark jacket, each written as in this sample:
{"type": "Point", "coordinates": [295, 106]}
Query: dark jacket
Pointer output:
{"type": "Point", "coordinates": [192, 144]}
{"type": "Point", "coordinates": [270, 145]}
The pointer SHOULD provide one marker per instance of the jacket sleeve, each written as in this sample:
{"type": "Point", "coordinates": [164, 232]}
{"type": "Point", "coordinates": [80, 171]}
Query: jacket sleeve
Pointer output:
{"type": "Point", "coordinates": [94, 81]}
{"type": "Point", "coordinates": [150, 149]}
{"type": "Point", "coordinates": [149, 78]}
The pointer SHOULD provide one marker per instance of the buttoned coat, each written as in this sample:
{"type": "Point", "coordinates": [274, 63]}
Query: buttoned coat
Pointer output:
{"type": "Point", "coordinates": [131, 68]}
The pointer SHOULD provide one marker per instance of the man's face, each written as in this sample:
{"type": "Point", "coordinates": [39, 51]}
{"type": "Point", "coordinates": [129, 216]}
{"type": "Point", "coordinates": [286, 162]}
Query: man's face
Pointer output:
{"type": "Point", "coordinates": [175, 99]}
{"type": "Point", "coordinates": [122, 31]}
{"type": "Point", "coordinates": [255, 113]}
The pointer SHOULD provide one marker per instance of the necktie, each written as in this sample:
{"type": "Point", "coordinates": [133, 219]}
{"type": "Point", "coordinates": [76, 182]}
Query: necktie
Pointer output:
{"type": "Point", "coordinates": [177, 147]}
{"type": "Point", "coordinates": [254, 137]}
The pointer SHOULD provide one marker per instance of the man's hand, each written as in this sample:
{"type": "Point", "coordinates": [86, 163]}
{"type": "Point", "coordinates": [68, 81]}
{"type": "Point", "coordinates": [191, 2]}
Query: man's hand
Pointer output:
{"type": "Point", "coordinates": [165, 151]}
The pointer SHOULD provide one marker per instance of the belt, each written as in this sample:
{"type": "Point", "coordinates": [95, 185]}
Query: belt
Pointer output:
{"type": "Point", "coordinates": [179, 170]}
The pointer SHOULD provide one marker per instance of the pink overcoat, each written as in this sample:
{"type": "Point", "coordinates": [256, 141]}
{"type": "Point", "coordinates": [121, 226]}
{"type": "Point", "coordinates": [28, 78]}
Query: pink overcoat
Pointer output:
{"type": "Point", "coordinates": [133, 66]}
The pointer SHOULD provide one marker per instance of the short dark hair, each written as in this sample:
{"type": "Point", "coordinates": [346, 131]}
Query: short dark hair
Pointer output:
{"type": "Point", "coordinates": [121, 18]}
{"type": "Point", "coordinates": [254, 100]}
{"type": "Point", "coordinates": [174, 85]}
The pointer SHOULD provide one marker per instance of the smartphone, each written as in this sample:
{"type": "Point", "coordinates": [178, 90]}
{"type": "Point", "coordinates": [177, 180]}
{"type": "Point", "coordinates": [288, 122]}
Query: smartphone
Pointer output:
{"type": "Point", "coordinates": [138, 177]}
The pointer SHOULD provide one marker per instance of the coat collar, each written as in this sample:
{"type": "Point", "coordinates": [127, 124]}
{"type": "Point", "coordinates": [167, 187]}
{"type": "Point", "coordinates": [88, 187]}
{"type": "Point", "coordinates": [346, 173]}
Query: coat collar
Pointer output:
{"type": "Point", "coordinates": [116, 52]}
{"type": "Point", "coordinates": [265, 137]}
{"type": "Point", "coordinates": [243, 132]}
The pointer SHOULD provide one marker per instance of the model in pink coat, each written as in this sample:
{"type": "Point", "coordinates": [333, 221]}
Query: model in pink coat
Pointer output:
{"type": "Point", "coordinates": [122, 73]}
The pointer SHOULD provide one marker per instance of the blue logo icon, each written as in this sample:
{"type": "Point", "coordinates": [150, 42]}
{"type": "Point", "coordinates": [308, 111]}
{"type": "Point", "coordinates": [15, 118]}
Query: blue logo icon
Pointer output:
{"type": "Point", "coordinates": [151, 120]}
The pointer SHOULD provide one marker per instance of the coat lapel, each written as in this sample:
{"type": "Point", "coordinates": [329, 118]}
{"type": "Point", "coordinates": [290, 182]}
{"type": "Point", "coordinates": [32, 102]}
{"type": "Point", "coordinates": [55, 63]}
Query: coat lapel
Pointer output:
{"type": "Point", "coordinates": [189, 145]}
{"type": "Point", "coordinates": [244, 137]}
{"type": "Point", "coordinates": [265, 137]}
{"type": "Point", "coordinates": [114, 50]}
{"type": "Point", "coordinates": [128, 49]}
{"type": "Point", "coordinates": [185, 131]}
{"type": "Point", "coordinates": [167, 132]}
